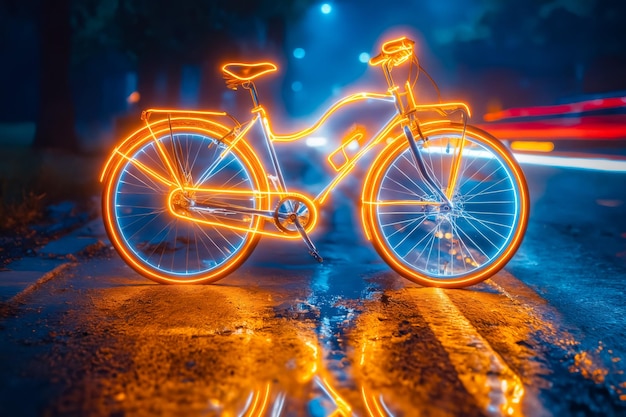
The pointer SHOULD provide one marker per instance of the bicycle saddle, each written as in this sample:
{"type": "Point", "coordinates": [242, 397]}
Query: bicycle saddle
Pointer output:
{"type": "Point", "coordinates": [236, 73]}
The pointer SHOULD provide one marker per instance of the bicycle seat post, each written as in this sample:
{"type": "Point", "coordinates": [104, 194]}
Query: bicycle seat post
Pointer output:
{"type": "Point", "coordinates": [249, 85]}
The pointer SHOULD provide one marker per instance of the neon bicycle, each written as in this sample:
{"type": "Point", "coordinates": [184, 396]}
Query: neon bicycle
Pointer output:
{"type": "Point", "coordinates": [187, 197]}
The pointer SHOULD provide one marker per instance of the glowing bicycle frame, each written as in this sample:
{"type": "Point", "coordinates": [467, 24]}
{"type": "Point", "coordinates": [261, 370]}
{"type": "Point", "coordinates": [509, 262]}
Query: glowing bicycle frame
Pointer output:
{"type": "Point", "coordinates": [185, 198]}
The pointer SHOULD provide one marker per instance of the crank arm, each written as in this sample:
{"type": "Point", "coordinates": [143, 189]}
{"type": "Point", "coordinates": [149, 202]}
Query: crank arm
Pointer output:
{"type": "Point", "coordinates": [307, 241]}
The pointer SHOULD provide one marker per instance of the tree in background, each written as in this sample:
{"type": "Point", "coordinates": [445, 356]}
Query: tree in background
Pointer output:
{"type": "Point", "coordinates": [550, 47]}
{"type": "Point", "coordinates": [156, 35]}
{"type": "Point", "coordinates": [160, 37]}
{"type": "Point", "coordinates": [55, 120]}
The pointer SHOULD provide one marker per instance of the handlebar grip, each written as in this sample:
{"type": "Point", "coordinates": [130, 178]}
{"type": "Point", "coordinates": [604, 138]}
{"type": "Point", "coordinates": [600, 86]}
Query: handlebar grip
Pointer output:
{"type": "Point", "coordinates": [396, 50]}
{"type": "Point", "coordinates": [397, 45]}
{"type": "Point", "coordinates": [378, 59]}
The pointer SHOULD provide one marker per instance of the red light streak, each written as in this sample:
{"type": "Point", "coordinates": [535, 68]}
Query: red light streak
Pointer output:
{"type": "Point", "coordinates": [558, 110]}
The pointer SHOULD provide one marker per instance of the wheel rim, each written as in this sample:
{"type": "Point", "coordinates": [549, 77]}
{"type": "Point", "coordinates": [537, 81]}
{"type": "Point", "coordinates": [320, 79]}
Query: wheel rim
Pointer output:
{"type": "Point", "coordinates": [448, 244]}
{"type": "Point", "coordinates": [169, 247]}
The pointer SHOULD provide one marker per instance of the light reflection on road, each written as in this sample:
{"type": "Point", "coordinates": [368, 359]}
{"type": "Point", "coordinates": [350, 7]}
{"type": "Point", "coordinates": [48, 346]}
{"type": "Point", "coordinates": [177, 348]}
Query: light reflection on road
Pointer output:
{"type": "Point", "coordinates": [313, 340]}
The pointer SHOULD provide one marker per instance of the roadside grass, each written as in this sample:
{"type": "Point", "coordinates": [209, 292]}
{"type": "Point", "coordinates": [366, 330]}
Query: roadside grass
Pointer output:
{"type": "Point", "coordinates": [31, 180]}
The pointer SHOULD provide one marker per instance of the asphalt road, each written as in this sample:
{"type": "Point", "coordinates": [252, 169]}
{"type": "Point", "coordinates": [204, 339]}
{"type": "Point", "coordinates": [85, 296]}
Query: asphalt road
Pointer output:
{"type": "Point", "coordinates": [285, 336]}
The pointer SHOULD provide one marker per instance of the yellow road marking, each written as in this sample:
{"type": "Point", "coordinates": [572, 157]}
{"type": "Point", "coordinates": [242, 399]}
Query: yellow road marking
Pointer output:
{"type": "Point", "coordinates": [497, 390]}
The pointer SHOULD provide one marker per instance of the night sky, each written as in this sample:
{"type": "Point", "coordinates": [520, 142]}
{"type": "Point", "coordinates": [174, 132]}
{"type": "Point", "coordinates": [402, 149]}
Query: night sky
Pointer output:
{"type": "Point", "coordinates": [494, 54]}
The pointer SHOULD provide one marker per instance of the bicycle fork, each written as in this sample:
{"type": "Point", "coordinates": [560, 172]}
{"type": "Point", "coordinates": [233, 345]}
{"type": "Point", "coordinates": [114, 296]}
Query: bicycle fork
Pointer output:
{"type": "Point", "coordinates": [421, 166]}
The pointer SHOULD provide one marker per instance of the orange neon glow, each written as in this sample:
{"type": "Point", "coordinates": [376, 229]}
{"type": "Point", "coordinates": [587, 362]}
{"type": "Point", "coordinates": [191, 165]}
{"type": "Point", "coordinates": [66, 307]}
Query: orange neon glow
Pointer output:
{"type": "Point", "coordinates": [394, 52]}
{"type": "Point", "coordinates": [403, 203]}
{"type": "Point", "coordinates": [339, 104]}
{"type": "Point", "coordinates": [256, 195]}
{"type": "Point", "coordinates": [456, 163]}
{"type": "Point", "coordinates": [259, 402]}
{"type": "Point", "coordinates": [134, 142]}
{"type": "Point", "coordinates": [343, 408]}
{"type": "Point", "coordinates": [347, 168]}
{"type": "Point", "coordinates": [372, 404]}
{"type": "Point", "coordinates": [315, 363]}
{"type": "Point", "coordinates": [532, 146]}
{"type": "Point", "coordinates": [368, 211]}
{"type": "Point", "coordinates": [147, 170]}
{"type": "Point", "coordinates": [247, 72]}
{"type": "Point", "coordinates": [212, 128]}
{"type": "Point", "coordinates": [339, 157]}
{"type": "Point", "coordinates": [268, 206]}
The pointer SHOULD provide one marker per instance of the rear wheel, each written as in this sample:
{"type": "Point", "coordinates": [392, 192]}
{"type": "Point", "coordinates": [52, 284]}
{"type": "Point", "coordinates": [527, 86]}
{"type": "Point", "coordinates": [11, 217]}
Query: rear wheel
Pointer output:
{"type": "Point", "coordinates": [427, 241]}
{"type": "Point", "coordinates": [152, 222]}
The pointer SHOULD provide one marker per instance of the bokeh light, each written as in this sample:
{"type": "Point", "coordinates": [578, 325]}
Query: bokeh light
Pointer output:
{"type": "Point", "coordinates": [299, 53]}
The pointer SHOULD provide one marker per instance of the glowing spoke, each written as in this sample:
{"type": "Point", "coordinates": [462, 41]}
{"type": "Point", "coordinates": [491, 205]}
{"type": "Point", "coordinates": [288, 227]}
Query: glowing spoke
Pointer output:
{"type": "Point", "coordinates": [420, 241]}
{"type": "Point", "coordinates": [403, 227]}
{"type": "Point", "coordinates": [477, 247]}
{"type": "Point", "coordinates": [155, 211]}
{"type": "Point", "coordinates": [486, 223]}
{"type": "Point", "coordinates": [491, 213]}
{"type": "Point", "coordinates": [492, 202]}
{"type": "Point", "coordinates": [209, 171]}
{"type": "Point", "coordinates": [127, 226]}
{"type": "Point", "coordinates": [485, 191]}
{"type": "Point", "coordinates": [409, 234]}
{"type": "Point", "coordinates": [149, 172]}
{"type": "Point", "coordinates": [431, 238]}
{"type": "Point", "coordinates": [483, 180]}
{"type": "Point", "coordinates": [455, 231]}
{"type": "Point", "coordinates": [483, 235]}
{"type": "Point", "coordinates": [397, 223]}
{"type": "Point", "coordinates": [469, 197]}
{"type": "Point", "coordinates": [408, 190]}
{"type": "Point", "coordinates": [155, 185]}
{"type": "Point", "coordinates": [412, 163]}
{"type": "Point", "coordinates": [418, 213]}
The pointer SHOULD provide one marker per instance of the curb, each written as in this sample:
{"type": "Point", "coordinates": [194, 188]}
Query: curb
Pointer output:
{"type": "Point", "coordinates": [25, 275]}
{"type": "Point", "coordinates": [17, 298]}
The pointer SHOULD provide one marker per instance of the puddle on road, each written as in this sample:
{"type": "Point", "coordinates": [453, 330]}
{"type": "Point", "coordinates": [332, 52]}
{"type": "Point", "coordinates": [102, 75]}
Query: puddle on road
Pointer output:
{"type": "Point", "coordinates": [312, 341]}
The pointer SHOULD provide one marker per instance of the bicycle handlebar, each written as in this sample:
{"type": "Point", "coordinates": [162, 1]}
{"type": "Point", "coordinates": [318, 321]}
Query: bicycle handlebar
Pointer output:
{"type": "Point", "coordinates": [395, 52]}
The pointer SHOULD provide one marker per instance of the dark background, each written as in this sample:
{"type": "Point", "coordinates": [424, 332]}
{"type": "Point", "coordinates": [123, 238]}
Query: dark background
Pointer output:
{"type": "Point", "coordinates": [69, 67]}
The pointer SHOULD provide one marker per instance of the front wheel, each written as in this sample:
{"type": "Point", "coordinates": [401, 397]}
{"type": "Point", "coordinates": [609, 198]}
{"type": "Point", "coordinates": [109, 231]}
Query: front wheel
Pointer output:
{"type": "Point", "coordinates": [434, 244]}
{"type": "Point", "coordinates": [155, 225]}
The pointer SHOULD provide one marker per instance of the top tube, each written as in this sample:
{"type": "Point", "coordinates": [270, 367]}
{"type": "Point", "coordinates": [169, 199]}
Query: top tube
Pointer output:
{"type": "Point", "coordinates": [329, 112]}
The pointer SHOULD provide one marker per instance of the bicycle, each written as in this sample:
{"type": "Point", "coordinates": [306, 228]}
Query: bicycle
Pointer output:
{"type": "Point", "coordinates": [187, 197]}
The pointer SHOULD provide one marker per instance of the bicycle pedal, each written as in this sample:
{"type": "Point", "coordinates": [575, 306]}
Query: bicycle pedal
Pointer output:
{"type": "Point", "coordinates": [317, 256]}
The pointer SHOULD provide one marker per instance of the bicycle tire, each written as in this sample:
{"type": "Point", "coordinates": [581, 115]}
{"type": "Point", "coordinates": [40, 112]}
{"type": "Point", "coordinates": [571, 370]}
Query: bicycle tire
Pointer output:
{"type": "Point", "coordinates": [465, 245]}
{"type": "Point", "coordinates": [136, 203]}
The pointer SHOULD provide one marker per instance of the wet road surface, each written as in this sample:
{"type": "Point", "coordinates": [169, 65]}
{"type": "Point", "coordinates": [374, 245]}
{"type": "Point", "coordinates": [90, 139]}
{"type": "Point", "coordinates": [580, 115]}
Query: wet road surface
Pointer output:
{"type": "Point", "coordinates": [285, 336]}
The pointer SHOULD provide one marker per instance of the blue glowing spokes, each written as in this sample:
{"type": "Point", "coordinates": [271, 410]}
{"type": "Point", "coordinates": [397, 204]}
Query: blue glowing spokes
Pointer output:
{"type": "Point", "coordinates": [448, 244]}
{"type": "Point", "coordinates": [168, 244]}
